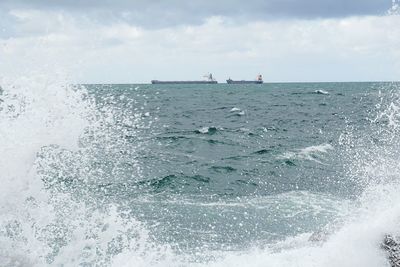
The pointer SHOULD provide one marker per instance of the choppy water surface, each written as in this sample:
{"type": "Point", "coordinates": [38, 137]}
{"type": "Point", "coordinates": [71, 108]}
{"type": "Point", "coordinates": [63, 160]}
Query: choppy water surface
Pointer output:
{"type": "Point", "coordinates": [214, 175]}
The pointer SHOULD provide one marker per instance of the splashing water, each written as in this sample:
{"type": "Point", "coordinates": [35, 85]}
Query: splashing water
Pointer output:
{"type": "Point", "coordinates": [43, 156]}
{"type": "Point", "coordinates": [395, 9]}
{"type": "Point", "coordinates": [355, 239]}
{"type": "Point", "coordinates": [57, 209]}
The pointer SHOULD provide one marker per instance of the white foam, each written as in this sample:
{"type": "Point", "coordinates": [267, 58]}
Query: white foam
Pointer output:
{"type": "Point", "coordinates": [204, 130]}
{"type": "Point", "coordinates": [35, 112]}
{"type": "Point", "coordinates": [322, 92]}
{"type": "Point", "coordinates": [312, 153]}
{"type": "Point", "coordinates": [356, 243]}
{"type": "Point", "coordinates": [39, 226]}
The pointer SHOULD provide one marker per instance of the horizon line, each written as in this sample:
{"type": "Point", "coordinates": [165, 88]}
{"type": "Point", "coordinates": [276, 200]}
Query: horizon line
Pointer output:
{"type": "Point", "coordinates": [273, 82]}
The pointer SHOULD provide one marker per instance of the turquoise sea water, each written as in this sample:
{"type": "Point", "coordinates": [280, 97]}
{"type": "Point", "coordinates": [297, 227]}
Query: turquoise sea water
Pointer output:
{"type": "Point", "coordinates": [182, 175]}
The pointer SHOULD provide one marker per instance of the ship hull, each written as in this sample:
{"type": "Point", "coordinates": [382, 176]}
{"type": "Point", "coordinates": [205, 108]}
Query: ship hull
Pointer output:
{"type": "Point", "coordinates": [243, 82]}
{"type": "Point", "coordinates": [183, 82]}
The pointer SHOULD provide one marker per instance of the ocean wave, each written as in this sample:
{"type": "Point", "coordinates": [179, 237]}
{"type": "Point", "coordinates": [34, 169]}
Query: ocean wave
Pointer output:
{"type": "Point", "coordinates": [263, 151]}
{"type": "Point", "coordinates": [321, 92]}
{"type": "Point", "coordinates": [357, 242]}
{"type": "Point", "coordinates": [58, 148]}
{"type": "Point", "coordinates": [289, 206]}
{"type": "Point", "coordinates": [224, 169]}
{"type": "Point", "coordinates": [207, 130]}
{"type": "Point", "coordinates": [51, 139]}
{"type": "Point", "coordinates": [237, 111]}
{"type": "Point", "coordinates": [312, 153]}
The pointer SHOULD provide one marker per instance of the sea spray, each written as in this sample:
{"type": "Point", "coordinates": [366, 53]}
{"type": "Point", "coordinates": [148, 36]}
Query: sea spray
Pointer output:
{"type": "Point", "coordinates": [355, 239]}
{"type": "Point", "coordinates": [35, 112]}
{"type": "Point", "coordinates": [50, 135]}
{"type": "Point", "coordinates": [395, 9]}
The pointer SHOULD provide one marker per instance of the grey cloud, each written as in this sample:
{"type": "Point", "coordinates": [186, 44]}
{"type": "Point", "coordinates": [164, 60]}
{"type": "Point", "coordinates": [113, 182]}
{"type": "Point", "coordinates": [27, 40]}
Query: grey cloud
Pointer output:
{"type": "Point", "coordinates": [165, 13]}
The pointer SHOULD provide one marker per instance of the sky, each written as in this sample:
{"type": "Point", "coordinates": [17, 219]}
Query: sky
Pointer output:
{"type": "Point", "coordinates": [135, 41]}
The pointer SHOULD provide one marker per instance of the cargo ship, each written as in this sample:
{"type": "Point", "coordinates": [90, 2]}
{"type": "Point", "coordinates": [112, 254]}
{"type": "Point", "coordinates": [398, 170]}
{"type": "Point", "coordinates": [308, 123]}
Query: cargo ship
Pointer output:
{"type": "Point", "coordinates": [258, 80]}
{"type": "Point", "coordinates": [210, 80]}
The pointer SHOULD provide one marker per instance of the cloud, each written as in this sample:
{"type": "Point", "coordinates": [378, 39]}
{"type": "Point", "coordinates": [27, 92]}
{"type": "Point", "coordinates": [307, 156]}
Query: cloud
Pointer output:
{"type": "Point", "coordinates": [333, 49]}
{"type": "Point", "coordinates": [161, 14]}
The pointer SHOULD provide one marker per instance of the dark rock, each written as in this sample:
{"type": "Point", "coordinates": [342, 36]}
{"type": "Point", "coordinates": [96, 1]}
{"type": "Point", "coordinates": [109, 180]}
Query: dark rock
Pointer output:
{"type": "Point", "coordinates": [392, 246]}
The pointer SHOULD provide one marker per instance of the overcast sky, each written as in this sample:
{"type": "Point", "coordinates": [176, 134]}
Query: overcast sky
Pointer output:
{"type": "Point", "coordinates": [117, 41]}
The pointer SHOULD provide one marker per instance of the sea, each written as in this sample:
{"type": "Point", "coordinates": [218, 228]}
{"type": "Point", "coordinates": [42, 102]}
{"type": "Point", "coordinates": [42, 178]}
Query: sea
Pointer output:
{"type": "Point", "coordinates": [278, 174]}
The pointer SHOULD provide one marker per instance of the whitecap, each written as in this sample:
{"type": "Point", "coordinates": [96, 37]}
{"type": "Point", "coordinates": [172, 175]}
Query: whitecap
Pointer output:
{"type": "Point", "coordinates": [312, 153]}
{"type": "Point", "coordinates": [204, 130]}
{"type": "Point", "coordinates": [321, 92]}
